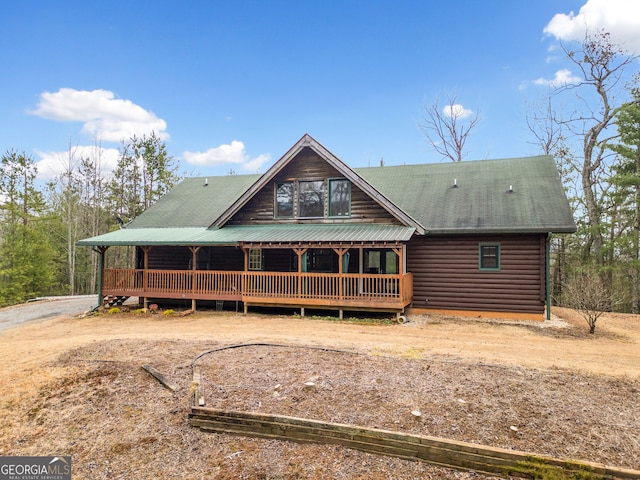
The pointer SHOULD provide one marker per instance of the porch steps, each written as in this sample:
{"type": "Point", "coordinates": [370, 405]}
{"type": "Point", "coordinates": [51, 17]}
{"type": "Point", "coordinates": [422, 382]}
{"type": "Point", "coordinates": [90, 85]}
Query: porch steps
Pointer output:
{"type": "Point", "coordinates": [114, 300]}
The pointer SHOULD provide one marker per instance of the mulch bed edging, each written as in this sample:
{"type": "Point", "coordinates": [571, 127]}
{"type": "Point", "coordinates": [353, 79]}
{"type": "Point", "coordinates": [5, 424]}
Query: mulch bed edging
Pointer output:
{"type": "Point", "coordinates": [438, 451]}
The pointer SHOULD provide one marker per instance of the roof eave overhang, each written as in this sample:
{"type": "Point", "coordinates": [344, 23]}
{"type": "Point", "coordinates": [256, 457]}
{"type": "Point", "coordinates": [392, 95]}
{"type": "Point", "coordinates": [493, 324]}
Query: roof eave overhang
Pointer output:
{"type": "Point", "coordinates": [271, 235]}
{"type": "Point", "coordinates": [470, 231]}
{"type": "Point", "coordinates": [151, 243]}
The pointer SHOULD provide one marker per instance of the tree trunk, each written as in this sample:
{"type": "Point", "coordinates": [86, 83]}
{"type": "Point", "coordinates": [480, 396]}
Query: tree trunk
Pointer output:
{"type": "Point", "coordinates": [591, 203]}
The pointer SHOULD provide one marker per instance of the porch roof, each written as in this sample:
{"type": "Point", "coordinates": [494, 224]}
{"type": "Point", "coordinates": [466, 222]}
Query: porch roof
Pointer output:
{"type": "Point", "coordinates": [235, 235]}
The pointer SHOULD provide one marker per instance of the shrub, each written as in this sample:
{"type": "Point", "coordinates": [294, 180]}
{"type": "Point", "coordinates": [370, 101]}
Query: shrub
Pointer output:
{"type": "Point", "coordinates": [586, 292]}
{"type": "Point", "coordinates": [113, 310]}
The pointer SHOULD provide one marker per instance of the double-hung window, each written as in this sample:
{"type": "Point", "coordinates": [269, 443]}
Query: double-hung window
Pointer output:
{"type": "Point", "coordinates": [255, 259]}
{"type": "Point", "coordinates": [489, 256]}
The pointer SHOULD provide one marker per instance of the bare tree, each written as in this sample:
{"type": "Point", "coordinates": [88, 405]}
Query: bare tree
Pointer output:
{"type": "Point", "coordinates": [546, 128]}
{"type": "Point", "coordinates": [586, 293]}
{"type": "Point", "coordinates": [602, 66]}
{"type": "Point", "coordinates": [550, 136]}
{"type": "Point", "coordinates": [447, 127]}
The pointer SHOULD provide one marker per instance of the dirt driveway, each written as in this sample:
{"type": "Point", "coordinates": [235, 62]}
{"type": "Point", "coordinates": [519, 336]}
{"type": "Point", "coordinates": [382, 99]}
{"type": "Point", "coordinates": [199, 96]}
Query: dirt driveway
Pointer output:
{"type": "Point", "coordinates": [563, 343]}
{"type": "Point", "coordinates": [46, 307]}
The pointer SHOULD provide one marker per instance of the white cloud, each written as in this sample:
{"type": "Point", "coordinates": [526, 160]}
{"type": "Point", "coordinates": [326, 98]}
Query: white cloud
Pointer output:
{"type": "Point", "coordinates": [620, 18]}
{"type": "Point", "coordinates": [53, 164]}
{"type": "Point", "coordinates": [456, 111]}
{"type": "Point", "coordinates": [226, 154]}
{"type": "Point", "coordinates": [562, 78]}
{"type": "Point", "coordinates": [104, 116]}
{"type": "Point", "coordinates": [255, 164]}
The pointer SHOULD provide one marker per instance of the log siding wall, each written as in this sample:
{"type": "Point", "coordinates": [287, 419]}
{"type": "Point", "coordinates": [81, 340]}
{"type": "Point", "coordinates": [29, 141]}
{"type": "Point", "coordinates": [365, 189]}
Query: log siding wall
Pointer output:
{"type": "Point", "coordinates": [445, 270]}
{"type": "Point", "coordinates": [168, 258]}
{"type": "Point", "coordinates": [209, 258]}
{"type": "Point", "coordinates": [447, 275]}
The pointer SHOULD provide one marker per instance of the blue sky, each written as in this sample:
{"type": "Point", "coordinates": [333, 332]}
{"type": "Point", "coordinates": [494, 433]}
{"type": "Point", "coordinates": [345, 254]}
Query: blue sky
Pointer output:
{"type": "Point", "coordinates": [232, 85]}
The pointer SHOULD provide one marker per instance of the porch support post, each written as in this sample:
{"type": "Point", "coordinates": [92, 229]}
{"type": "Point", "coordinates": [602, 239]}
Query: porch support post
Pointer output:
{"type": "Point", "coordinates": [246, 258]}
{"type": "Point", "coordinates": [399, 251]}
{"type": "Point", "coordinates": [300, 252]}
{"type": "Point", "coordinates": [101, 252]}
{"type": "Point", "coordinates": [340, 252]}
{"type": "Point", "coordinates": [547, 282]}
{"type": "Point", "coordinates": [145, 280]}
{"type": "Point", "coordinates": [360, 268]}
{"type": "Point", "coordinates": [194, 267]}
{"type": "Point", "coordinates": [245, 251]}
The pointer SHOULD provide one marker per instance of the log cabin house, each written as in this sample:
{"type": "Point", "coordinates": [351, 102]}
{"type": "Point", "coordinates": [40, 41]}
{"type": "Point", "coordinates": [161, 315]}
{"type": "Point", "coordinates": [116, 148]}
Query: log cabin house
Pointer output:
{"type": "Point", "coordinates": [464, 238]}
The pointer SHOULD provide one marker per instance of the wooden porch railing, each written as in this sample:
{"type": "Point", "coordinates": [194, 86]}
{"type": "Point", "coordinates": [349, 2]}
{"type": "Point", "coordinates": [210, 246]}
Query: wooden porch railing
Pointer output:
{"type": "Point", "coordinates": [350, 289]}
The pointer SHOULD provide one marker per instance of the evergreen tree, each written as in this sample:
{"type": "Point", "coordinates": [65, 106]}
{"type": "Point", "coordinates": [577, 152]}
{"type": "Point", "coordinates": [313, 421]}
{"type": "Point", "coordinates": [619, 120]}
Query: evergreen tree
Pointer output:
{"type": "Point", "coordinates": [27, 259]}
{"type": "Point", "coordinates": [626, 197]}
{"type": "Point", "coordinates": [145, 172]}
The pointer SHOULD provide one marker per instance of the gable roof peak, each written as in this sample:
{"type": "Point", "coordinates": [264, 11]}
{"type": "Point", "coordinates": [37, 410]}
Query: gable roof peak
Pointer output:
{"type": "Point", "coordinates": [308, 141]}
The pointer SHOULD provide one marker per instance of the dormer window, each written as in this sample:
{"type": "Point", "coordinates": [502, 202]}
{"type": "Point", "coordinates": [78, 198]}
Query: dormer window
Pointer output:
{"type": "Point", "coordinates": [313, 198]}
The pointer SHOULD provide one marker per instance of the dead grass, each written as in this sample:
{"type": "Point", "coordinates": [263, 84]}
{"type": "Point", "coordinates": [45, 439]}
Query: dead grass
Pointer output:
{"type": "Point", "coordinates": [76, 387]}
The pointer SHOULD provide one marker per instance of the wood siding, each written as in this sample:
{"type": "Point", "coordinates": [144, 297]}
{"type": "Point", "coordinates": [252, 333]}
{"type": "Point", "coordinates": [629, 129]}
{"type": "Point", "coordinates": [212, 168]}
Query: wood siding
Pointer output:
{"type": "Point", "coordinates": [447, 276]}
{"type": "Point", "coordinates": [209, 258]}
{"type": "Point", "coordinates": [307, 165]}
{"type": "Point", "coordinates": [168, 258]}
{"type": "Point", "coordinates": [232, 259]}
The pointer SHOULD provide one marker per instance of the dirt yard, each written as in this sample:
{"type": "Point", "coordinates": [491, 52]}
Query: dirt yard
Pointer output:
{"type": "Point", "coordinates": [75, 386]}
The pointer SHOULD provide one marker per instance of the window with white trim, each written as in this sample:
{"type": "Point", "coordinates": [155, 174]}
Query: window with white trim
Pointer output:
{"type": "Point", "coordinates": [255, 259]}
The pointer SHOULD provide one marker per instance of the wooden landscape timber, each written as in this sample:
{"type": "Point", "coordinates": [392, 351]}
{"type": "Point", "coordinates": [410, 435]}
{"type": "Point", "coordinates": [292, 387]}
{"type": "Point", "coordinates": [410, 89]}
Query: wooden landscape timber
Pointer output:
{"type": "Point", "coordinates": [198, 394]}
{"type": "Point", "coordinates": [438, 451]}
{"type": "Point", "coordinates": [160, 377]}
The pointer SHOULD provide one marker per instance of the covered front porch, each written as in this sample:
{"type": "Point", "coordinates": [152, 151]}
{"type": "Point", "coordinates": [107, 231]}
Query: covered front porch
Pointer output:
{"type": "Point", "coordinates": [331, 267]}
{"type": "Point", "coordinates": [366, 292]}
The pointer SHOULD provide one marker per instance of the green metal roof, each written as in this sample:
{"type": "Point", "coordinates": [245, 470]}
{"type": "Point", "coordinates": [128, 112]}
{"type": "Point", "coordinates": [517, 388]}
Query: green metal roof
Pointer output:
{"type": "Point", "coordinates": [194, 203]}
{"type": "Point", "coordinates": [293, 233]}
{"type": "Point", "coordinates": [481, 201]}
{"type": "Point", "coordinates": [487, 196]}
